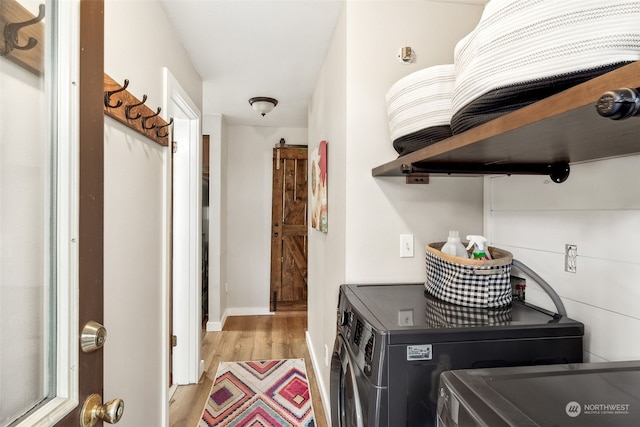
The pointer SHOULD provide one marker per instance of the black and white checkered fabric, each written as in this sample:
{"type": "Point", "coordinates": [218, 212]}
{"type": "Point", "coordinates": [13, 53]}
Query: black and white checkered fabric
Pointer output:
{"type": "Point", "coordinates": [476, 284]}
{"type": "Point", "coordinates": [441, 314]}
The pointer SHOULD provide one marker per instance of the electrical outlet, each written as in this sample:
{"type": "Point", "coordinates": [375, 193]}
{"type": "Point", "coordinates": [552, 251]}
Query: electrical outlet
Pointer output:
{"type": "Point", "coordinates": [570, 258]}
{"type": "Point", "coordinates": [226, 287]}
{"type": "Point", "coordinates": [518, 287]}
{"type": "Point", "coordinates": [406, 246]}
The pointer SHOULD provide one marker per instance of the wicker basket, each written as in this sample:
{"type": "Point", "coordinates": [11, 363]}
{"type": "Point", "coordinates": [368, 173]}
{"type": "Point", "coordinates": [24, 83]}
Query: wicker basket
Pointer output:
{"type": "Point", "coordinates": [469, 282]}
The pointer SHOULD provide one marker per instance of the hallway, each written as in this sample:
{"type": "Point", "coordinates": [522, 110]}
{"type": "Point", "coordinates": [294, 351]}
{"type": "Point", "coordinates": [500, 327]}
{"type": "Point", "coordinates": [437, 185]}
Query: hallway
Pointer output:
{"type": "Point", "coordinates": [246, 338]}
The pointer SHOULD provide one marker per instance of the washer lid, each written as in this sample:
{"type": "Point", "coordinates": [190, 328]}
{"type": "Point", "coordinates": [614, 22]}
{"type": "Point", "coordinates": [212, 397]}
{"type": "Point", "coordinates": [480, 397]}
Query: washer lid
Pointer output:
{"type": "Point", "coordinates": [406, 308]}
{"type": "Point", "coordinates": [581, 395]}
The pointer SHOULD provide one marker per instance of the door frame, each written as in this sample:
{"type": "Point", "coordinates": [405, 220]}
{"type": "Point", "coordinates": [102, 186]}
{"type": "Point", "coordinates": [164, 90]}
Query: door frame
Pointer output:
{"type": "Point", "coordinates": [185, 321]}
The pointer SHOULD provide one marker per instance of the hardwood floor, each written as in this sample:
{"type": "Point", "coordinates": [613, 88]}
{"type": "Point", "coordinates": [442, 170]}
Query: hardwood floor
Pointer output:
{"type": "Point", "coordinates": [281, 336]}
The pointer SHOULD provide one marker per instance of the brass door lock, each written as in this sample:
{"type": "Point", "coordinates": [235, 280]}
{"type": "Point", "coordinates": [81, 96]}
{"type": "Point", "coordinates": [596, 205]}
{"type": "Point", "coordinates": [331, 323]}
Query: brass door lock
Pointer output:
{"type": "Point", "coordinates": [93, 337]}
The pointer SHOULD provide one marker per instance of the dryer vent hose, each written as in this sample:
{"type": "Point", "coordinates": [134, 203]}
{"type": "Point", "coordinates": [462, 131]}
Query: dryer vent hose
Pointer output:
{"type": "Point", "coordinates": [547, 288]}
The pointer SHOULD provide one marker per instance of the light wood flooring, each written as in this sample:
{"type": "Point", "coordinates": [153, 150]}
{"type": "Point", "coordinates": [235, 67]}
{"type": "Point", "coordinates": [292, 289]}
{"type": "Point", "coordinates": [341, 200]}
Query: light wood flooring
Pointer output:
{"type": "Point", "coordinates": [281, 336]}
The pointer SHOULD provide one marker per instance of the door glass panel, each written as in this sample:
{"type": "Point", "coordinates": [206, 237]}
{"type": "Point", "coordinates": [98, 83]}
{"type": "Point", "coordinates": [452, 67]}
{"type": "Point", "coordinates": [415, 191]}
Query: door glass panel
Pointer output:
{"type": "Point", "coordinates": [27, 210]}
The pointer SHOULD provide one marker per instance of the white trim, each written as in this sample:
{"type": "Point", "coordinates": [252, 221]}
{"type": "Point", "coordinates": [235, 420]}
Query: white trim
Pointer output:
{"type": "Point", "coordinates": [68, 198]}
{"type": "Point", "coordinates": [213, 326]}
{"type": "Point", "coordinates": [213, 125]}
{"type": "Point", "coordinates": [326, 400]}
{"type": "Point", "coordinates": [166, 394]}
{"type": "Point", "coordinates": [172, 391]}
{"type": "Point", "coordinates": [50, 413]}
{"type": "Point", "coordinates": [186, 302]}
{"type": "Point", "coordinates": [246, 311]}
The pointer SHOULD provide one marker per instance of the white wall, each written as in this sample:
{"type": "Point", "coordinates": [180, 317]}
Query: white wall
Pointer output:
{"type": "Point", "coordinates": [597, 209]}
{"type": "Point", "coordinates": [366, 214]}
{"type": "Point", "coordinates": [136, 204]}
{"type": "Point", "coordinates": [326, 259]}
{"type": "Point", "coordinates": [248, 209]}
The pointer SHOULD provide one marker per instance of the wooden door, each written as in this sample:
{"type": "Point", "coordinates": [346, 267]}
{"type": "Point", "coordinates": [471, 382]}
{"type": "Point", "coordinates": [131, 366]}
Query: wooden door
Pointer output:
{"type": "Point", "coordinates": [289, 229]}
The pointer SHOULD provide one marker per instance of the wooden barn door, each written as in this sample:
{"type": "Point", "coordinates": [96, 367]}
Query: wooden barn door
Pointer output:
{"type": "Point", "coordinates": [289, 229]}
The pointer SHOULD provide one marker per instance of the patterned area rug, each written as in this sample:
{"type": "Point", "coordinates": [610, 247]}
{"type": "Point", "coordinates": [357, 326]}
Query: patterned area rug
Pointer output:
{"type": "Point", "coordinates": [273, 393]}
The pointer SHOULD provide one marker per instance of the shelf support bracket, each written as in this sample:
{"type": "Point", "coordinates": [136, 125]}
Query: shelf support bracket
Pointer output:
{"type": "Point", "coordinates": [558, 172]}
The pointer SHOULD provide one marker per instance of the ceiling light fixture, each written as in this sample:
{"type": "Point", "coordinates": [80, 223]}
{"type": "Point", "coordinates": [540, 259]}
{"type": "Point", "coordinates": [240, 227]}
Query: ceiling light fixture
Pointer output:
{"type": "Point", "coordinates": [263, 105]}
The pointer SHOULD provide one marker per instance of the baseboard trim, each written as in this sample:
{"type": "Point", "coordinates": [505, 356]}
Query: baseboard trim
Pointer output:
{"type": "Point", "coordinates": [246, 311]}
{"type": "Point", "coordinates": [172, 390]}
{"type": "Point", "coordinates": [214, 326]}
{"type": "Point", "coordinates": [326, 400]}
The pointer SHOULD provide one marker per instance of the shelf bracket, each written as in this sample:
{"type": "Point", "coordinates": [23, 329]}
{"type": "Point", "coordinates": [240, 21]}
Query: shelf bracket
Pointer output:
{"type": "Point", "coordinates": [558, 172]}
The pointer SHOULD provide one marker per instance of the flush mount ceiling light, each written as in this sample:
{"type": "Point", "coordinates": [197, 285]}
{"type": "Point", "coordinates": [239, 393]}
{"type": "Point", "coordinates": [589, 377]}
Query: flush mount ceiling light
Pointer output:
{"type": "Point", "coordinates": [263, 105]}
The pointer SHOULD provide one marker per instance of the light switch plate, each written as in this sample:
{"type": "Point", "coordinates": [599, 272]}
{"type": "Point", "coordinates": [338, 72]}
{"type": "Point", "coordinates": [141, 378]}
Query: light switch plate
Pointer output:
{"type": "Point", "coordinates": [406, 246]}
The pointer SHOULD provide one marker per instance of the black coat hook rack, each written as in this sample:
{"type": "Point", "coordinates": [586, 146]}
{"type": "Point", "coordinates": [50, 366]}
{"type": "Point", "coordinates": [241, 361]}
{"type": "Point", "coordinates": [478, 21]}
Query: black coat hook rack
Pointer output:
{"type": "Point", "coordinates": [118, 103]}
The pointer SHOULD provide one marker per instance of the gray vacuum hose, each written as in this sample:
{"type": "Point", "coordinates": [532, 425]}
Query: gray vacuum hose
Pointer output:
{"type": "Point", "coordinates": [548, 289]}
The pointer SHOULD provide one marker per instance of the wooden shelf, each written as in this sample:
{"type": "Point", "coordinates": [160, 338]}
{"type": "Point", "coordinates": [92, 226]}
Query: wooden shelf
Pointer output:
{"type": "Point", "coordinates": [562, 128]}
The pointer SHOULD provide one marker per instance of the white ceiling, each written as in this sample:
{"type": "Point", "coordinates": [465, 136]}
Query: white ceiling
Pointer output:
{"type": "Point", "coordinates": [248, 48]}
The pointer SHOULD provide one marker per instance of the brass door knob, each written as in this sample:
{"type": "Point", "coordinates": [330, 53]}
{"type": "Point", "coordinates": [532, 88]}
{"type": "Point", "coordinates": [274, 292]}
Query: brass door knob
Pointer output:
{"type": "Point", "coordinates": [93, 410]}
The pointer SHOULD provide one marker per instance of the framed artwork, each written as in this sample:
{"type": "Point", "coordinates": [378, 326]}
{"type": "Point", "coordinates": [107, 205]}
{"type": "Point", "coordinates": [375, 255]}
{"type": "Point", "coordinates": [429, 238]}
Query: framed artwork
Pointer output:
{"type": "Point", "coordinates": [319, 188]}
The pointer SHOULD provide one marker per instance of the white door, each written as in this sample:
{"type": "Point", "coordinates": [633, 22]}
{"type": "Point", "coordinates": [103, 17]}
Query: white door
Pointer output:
{"type": "Point", "coordinates": [50, 208]}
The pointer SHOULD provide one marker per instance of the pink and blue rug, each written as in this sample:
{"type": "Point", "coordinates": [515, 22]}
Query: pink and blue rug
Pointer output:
{"type": "Point", "coordinates": [266, 393]}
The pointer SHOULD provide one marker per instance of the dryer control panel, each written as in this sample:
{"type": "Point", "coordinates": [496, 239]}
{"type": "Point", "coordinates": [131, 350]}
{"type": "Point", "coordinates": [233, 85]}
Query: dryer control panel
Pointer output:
{"type": "Point", "coordinates": [365, 343]}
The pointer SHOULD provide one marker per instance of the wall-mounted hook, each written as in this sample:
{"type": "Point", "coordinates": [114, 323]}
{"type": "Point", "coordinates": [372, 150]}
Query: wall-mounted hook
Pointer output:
{"type": "Point", "coordinates": [134, 113]}
{"type": "Point", "coordinates": [11, 33]}
{"type": "Point", "coordinates": [108, 93]}
{"type": "Point", "coordinates": [407, 55]}
{"type": "Point", "coordinates": [158, 134]}
{"type": "Point", "coordinates": [144, 120]}
{"type": "Point", "coordinates": [128, 108]}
